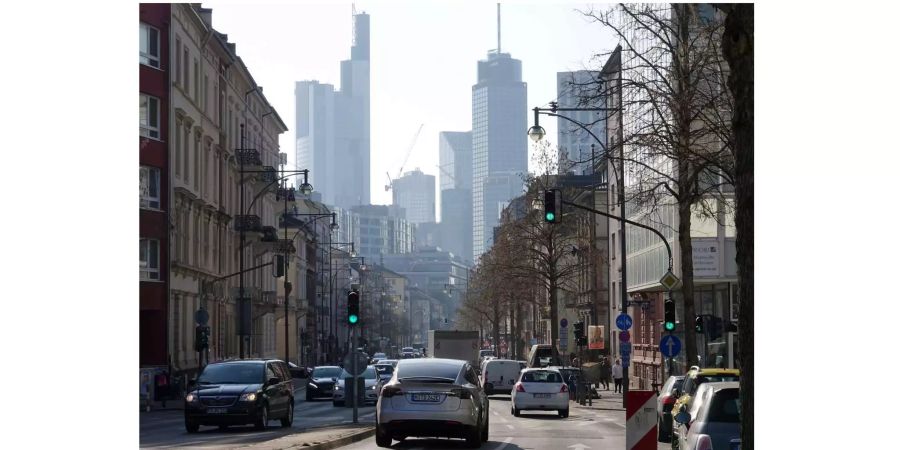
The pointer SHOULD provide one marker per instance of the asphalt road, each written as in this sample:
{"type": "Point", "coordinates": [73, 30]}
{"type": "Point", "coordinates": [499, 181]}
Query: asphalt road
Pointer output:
{"type": "Point", "coordinates": [165, 429]}
{"type": "Point", "coordinates": [583, 429]}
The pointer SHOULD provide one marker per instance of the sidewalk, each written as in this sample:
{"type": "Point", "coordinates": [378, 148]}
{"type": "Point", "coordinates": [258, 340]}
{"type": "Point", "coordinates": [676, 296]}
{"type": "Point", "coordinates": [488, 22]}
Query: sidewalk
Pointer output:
{"type": "Point", "coordinates": [608, 400]}
{"type": "Point", "coordinates": [318, 438]}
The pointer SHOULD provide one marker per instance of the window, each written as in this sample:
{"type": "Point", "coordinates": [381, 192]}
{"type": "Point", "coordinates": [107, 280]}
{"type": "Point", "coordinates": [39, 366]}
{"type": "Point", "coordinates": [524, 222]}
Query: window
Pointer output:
{"type": "Point", "coordinates": [149, 187]}
{"type": "Point", "coordinates": [187, 79]}
{"type": "Point", "coordinates": [149, 259]}
{"type": "Point", "coordinates": [149, 46]}
{"type": "Point", "coordinates": [177, 60]}
{"type": "Point", "coordinates": [149, 116]}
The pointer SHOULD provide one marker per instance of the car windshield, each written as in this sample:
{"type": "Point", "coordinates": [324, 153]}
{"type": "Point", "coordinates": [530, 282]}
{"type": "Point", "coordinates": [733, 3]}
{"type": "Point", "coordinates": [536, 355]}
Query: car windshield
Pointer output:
{"type": "Point", "coordinates": [725, 407]}
{"type": "Point", "coordinates": [541, 376]}
{"type": "Point", "coordinates": [428, 370]}
{"type": "Point", "coordinates": [384, 369]}
{"type": "Point", "coordinates": [369, 374]}
{"type": "Point", "coordinates": [326, 372]}
{"type": "Point", "coordinates": [234, 373]}
{"type": "Point", "coordinates": [712, 379]}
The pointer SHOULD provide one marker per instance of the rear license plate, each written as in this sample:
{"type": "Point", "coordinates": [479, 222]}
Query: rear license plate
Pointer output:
{"type": "Point", "coordinates": [433, 398]}
{"type": "Point", "coordinates": [216, 410]}
{"type": "Point", "coordinates": [541, 395]}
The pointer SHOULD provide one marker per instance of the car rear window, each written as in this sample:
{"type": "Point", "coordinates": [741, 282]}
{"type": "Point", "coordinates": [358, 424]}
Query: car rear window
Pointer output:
{"type": "Point", "coordinates": [725, 407]}
{"type": "Point", "coordinates": [541, 376]}
{"type": "Point", "coordinates": [237, 373]}
{"type": "Point", "coordinates": [326, 372]}
{"type": "Point", "coordinates": [384, 369]}
{"type": "Point", "coordinates": [410, 369]}
{"type": "Point", "coordinates": [369, 373]}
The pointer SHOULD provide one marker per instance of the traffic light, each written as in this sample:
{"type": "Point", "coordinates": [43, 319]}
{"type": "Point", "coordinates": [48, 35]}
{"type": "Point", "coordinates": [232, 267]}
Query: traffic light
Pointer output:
{"type": "Point", "coordinates": [714, 325]}
{"type": "Point", "coordinates": [579, 330]}
{"type": "Point", "coordinates": [353, 307]}
{"type": "Point", "coordinates": [669, 324]}
{"type": "Point", "coordinates": [551, 205]}
{"type": "Point", "coordinates": [698, 324]}
{"type": "Point", "coordinates": [201, 338]}
{"type": "Point", "coordinates": [582, 341]}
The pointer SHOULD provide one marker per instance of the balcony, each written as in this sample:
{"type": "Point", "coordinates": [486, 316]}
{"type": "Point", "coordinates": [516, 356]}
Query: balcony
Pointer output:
{"type": "Point", "coordinates": [270, 234]}
{"type": "Point", "coordinates": [281, 193]}
{"type": "Point", "coordinates": [246, 223]}
{"type": "Point", "coordinates": [249, 157]}
{"type": "Point", "coordinates": [269, 175]}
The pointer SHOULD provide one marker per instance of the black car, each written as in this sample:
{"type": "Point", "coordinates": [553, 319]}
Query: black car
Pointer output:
{"type": "Point", "coordinates": [249, 391]}
{"type": "Point", "coordinates": [321, 383]}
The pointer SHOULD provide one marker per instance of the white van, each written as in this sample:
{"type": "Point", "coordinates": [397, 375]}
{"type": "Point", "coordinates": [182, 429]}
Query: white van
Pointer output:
{"type": "Point", "coordinates": [499, 375]}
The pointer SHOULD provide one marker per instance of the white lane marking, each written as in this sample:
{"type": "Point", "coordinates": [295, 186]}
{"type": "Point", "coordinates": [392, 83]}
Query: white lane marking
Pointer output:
{"type": "Point", "coordinates": [501, 419]}
{"type": "Point", "coordinates": [495, 412]}
{"type": "Point", "coordinates": [620, 424]}
{"type": "Point", "coordinates": [583, 424]}
{"type": "Point", "coordinates": [504, 444]}
{"type": "Point", "coordinates": [511, 427]}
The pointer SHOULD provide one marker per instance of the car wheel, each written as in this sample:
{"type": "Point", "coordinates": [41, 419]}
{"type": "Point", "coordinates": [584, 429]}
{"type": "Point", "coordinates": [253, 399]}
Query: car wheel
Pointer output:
{"type": "Point", "coordinates": [488, 388]}
{"type": "Point", "coordinates": [473, 437]}
{"type": "Point", "coordinates": [309, 396]}
{"type": "Point", "coordinates": [191, 426]}
{"type": "Point", "coordinates": [288, 419]}
{"type": "Point", "coordinates": [484, 431]}
{"type": "Point", "coordinates": [263, 419]}
{"type": "Point", "coordinates": [381, 438]}
{"type": "Point", "coordinates": [516, 412]}
{"type": "Point", "coordinates": [337, 403]}
{"type": "Point", "coordinates": [564, 413]}
{"type": "Point", "coordinates": [663, 435]}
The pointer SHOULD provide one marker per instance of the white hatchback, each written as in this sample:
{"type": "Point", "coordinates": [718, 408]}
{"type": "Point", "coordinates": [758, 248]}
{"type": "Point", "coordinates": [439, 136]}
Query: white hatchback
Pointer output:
{"type": "Point", "coordinates": [542, 390]}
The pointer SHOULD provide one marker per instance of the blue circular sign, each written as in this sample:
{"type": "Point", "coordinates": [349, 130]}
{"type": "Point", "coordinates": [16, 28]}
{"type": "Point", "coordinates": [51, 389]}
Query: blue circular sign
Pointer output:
{"type": "Point", "coordinates": [670, 346]}
{"type": "Point", "coordinates": [623, 321]}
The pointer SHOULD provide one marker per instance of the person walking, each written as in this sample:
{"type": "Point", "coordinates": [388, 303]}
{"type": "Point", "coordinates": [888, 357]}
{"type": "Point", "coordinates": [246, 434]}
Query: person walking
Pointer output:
{"type": "Point", "coordinates": [617, 375]}
{"type": "Point", "coordinates": [605, 372]}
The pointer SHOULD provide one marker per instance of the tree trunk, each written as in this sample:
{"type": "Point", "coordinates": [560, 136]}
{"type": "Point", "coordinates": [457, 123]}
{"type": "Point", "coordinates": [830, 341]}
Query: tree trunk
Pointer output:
{"type": "Point", "coordinates": [738, 49]}
{"type": "Point", "coordinates": [686, 251]}
{"type": "Point", "coordinates": [496, 333]}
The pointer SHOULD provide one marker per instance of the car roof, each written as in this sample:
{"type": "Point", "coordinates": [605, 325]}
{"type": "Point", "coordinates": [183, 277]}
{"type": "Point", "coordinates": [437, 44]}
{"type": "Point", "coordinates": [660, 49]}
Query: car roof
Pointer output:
{"type": "Point", "coordinates": [244, 361]}
{"type": "Point", "coordinates": [717, 371]}
{"type": "Point", "coordinates": [407, 362]}
{"type": "Point", "coordinates": [719, 385]}
{"type": "Point", "coordinates": [535, 369]}
{"type": "Point", "coordinates": [327, 367]}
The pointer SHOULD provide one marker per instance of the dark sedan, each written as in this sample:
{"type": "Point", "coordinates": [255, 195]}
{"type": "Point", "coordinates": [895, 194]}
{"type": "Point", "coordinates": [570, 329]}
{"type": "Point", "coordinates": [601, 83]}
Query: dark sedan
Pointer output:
{"type": "Point", "coordinates": [321, 383]}
{"type": "Point", "coordinates": [239, 393]}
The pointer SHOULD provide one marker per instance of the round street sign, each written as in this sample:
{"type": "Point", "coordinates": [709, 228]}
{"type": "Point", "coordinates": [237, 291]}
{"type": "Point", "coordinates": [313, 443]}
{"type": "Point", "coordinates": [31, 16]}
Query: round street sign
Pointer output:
{"type": "Point", "coordinates": [623, 321]}
{"type": "Point", "coordinates": [670, 346]}
{"type": "Point", "coordinates": [201, 316]}
{"type": "Point", "coordinates": [563, 323]}
{"type": "Point", "coordinates": [361, 363]}
{"type": "Point", "coordinates": [624, 336]}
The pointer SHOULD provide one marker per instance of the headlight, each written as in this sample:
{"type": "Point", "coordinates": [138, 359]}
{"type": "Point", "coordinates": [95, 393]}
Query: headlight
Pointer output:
{"type": "Point", "coordinates": [190, 398]}
{"type": "Point", "coordinates": [249, 397]}
{"type": "Point", "coordinates": [373, 387]}
{"type": "Point", "coordinates": [313, 385]}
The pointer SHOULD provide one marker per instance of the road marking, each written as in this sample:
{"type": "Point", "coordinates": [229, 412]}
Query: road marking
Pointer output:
{"type": "Point", "coordinates": [504, 444]}
{"type": "Point", "coordinates": [501, 419]}
{"type": "Point", "coordinates": [620, 424]}
{"type": "Point", "coordinates": [495, 412]}
{"type": "Point", "coordinates": [511, 427]}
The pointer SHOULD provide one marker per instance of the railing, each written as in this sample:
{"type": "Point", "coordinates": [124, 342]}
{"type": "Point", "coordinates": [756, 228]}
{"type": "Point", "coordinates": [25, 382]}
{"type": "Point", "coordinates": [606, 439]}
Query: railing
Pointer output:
{"type": "Point", "coordinates": [270, 234]}
{"type": "Point", "coordinates": [250, 222]}
{"type": "Point", "coordinates": [249, 157]}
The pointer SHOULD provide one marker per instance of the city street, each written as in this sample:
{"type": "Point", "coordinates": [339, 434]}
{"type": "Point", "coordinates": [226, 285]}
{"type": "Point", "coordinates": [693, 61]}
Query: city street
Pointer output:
{"type": "Point", "coordinates": [585, 428]}
{"type": "Point", "coordinates": [165, 429]}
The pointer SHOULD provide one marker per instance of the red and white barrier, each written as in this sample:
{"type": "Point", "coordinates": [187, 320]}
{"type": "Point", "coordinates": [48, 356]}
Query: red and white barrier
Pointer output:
{"type": "Point", "coordinates": [640, 420]}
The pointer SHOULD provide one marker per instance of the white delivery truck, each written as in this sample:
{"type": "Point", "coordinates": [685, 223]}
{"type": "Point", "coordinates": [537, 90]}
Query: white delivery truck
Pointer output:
{"type": "Point", "coordinates": [454, 345]}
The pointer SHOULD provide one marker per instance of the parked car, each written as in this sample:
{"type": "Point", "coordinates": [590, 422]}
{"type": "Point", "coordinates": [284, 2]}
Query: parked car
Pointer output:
{"type": "Point", "coordinates": [378, 357]}
{"type": "Point", "coordinates": [407, 355]}
{"type": "Point", "coordinates": [713, 420]}
{"type": "Point", "coordinates": [486, 352]}
{"type": "Point", "coordinates": [392, 362]}
{"type": "Point", "coordinates": [432, 397]}
{"type": "Point", "coordinates": [321, 383]}
{"type": "Point", "coordinates": [696, 377]}
{"type": "Point", "coordinates": [372, 385]}
{"type": "Point", "coordinates": [540, 389]}
{"type": "Point", "coordinates": [499, 375]}
{"type": "Point", "coordinates": [664, 403]}
{"type": "Point", "coordinates": [385, 371]}
{"type": "Point", "coordinates": [249, 391]}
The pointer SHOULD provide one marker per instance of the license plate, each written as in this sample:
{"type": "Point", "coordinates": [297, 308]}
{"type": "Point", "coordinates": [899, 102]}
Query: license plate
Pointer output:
{"type": "Point", "coordinates": [216, 410]}
{"type": "Point", "coordinates": [541, 395]}
{"type": "Point", "coordinates": [433, 398]}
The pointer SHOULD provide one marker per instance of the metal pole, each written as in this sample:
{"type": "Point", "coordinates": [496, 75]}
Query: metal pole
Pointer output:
{"type": "Point", "coordinates": [287, 342]}
{"type": "Point", "coordinates": [355, 370]}
{"type": "Point", "coordinates": [622, 234]}
{"type": "Point", "coordinates": [241, 250]}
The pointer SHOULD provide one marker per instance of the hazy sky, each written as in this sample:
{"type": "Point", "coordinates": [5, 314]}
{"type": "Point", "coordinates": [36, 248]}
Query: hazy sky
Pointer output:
{"type": "Point", "coordinates": [423, 62]}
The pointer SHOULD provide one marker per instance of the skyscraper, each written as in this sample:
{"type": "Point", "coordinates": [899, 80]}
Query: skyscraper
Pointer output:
{"type": "Point", "coordinates": [456, 193]}
{"type": "Point", "coordinates": [456, 159]}
{"type": "Point", "coordinates": [414, 192]}
{"type": "Point", "coordinates": [574, 142]}
{"type": "Point", "coordinates": [332, 127]}
{"type": "Point", "coordinates": [499, 116]}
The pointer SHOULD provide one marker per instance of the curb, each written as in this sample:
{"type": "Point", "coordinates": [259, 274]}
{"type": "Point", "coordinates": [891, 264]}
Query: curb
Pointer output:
{"type": "Point", "coordinates": [339, 442]}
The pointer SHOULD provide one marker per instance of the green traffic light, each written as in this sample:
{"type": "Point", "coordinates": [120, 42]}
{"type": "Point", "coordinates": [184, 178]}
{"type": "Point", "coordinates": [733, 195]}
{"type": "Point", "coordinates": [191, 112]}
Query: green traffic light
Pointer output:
{"type": "Point", "coordinates": [550, 217]}
{"type": "Point", "coordinates": [353, 318]}
{"type": "Point", "coordinates": [670, 326]}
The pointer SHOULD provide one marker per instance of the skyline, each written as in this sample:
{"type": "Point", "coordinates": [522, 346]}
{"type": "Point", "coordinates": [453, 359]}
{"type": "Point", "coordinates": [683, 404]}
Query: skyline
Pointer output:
{"type": "Point", "coordinates": [402, 98]}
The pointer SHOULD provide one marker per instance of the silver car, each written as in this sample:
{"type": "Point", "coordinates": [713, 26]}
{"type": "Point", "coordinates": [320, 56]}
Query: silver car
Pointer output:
{"type": "Point", "coordinates": [373, 386]}
{"type": "Point", "coordinates": [432, 397]}
{"type": "Point", "coordinates": [714, 417]}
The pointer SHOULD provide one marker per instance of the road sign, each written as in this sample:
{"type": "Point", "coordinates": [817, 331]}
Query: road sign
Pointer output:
{"type": "Point", "coordinates": [625, 349]}
{"type": "Point", "coordinates": [361, 363]}
{"type": "Point", "coordinates": [623, 321]}
{"type": "Point", "coordinates": [670, 346]}
{"type": "Point", "coordinates": [624, 336]}
{"type": "Point", "coordinates": [640, 420]}
{"type": "Point", "coordinates": [564, 323]}
{"type": "Point", "coordinates": [201, 316]}
{"type": "Point", "coordinates": [669, 280]}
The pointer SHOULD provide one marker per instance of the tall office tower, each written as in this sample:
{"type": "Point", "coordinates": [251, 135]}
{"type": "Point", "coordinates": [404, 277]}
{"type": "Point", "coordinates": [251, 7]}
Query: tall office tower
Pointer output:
{"type": "Point", "coordinates": [499, 114]}
{"type": "Point", "coordinates": [332, 127]}
{"type": "Point", "coordinates": [456, 222]}
{"type": "Point", "coordinates": [414, 192]}
{"type": "Point", "coordinates": [456, 159]}
{"type": "Point", "coordinates": [314, 127]}
{"type": "Point", "coordinates": [574, 142]}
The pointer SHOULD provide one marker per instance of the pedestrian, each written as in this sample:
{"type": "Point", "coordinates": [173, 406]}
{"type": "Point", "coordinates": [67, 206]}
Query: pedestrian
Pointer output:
{"type": "Point", "coordinates": [617, 375]}
{"type": "Point", "coordinates": [605, 372]}
{"type": "Point", "coordinates": [162, 386]}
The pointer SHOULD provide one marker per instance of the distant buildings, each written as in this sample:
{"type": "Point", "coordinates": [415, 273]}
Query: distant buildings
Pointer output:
{"type": "Point", "coordinates": [332, 128]}
{"type": "Point", "coordinates": [456, 193]}
{"type": "Point", "coordinates": [499, 114]}
{"type": "Point", "coordinates": [574, 142]}
{"type": "Point", "coordinates": [456, 159]}
{"type": "Point", "coordinates": [381, 230]}
{"type": "Point", "coordinates": [414, 192]}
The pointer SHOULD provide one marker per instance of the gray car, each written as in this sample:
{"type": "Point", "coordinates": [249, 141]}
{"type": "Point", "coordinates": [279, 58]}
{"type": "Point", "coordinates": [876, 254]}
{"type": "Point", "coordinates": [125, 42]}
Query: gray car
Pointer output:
{"type": "Point", "coordinates": [714, 416]}
{"type": "Point", "coordinates": [432, 397]}
{"type": "Point", "coordinates": [373, 386]}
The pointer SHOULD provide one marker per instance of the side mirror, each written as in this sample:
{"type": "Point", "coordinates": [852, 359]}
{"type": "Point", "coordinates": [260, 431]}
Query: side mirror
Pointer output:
{"type": "Point", "coordinates": [682, 417]}
{"type": "Point", "coordinates": [273, 380]}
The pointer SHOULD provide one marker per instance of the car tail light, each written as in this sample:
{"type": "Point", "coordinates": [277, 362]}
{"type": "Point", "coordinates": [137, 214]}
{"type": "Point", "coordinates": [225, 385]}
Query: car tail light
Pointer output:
{"type": "Point", "coordinates": [704, 442]}
{"type": "Point", "coordinates": [463, 394]}
{"type": "Point", "coordinates": [668, 400]}
{"type": "Point", "coordinates": [519, 387]}
{"type": "Point", "coordinates": [390, 391]}
{"type": "Point", "coordinates": [564, 388]}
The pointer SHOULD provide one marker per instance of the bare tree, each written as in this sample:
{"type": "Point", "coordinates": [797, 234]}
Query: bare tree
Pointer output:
{"type": "Point", "coordinates": [670, 143]}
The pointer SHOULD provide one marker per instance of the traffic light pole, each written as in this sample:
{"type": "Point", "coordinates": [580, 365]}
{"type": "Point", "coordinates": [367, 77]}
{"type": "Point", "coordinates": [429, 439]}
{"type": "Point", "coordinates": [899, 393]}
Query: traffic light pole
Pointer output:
{"type": "Point", "coordinates": [354, 371]}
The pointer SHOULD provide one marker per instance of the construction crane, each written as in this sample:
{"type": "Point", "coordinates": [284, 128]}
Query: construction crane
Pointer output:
{"type": "Point", "coordinates": [412, 145]}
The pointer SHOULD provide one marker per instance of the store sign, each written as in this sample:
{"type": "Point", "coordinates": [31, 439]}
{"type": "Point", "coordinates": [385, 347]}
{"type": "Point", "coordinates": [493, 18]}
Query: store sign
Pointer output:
{"type": "Point", "coordinates": [706, 258]}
